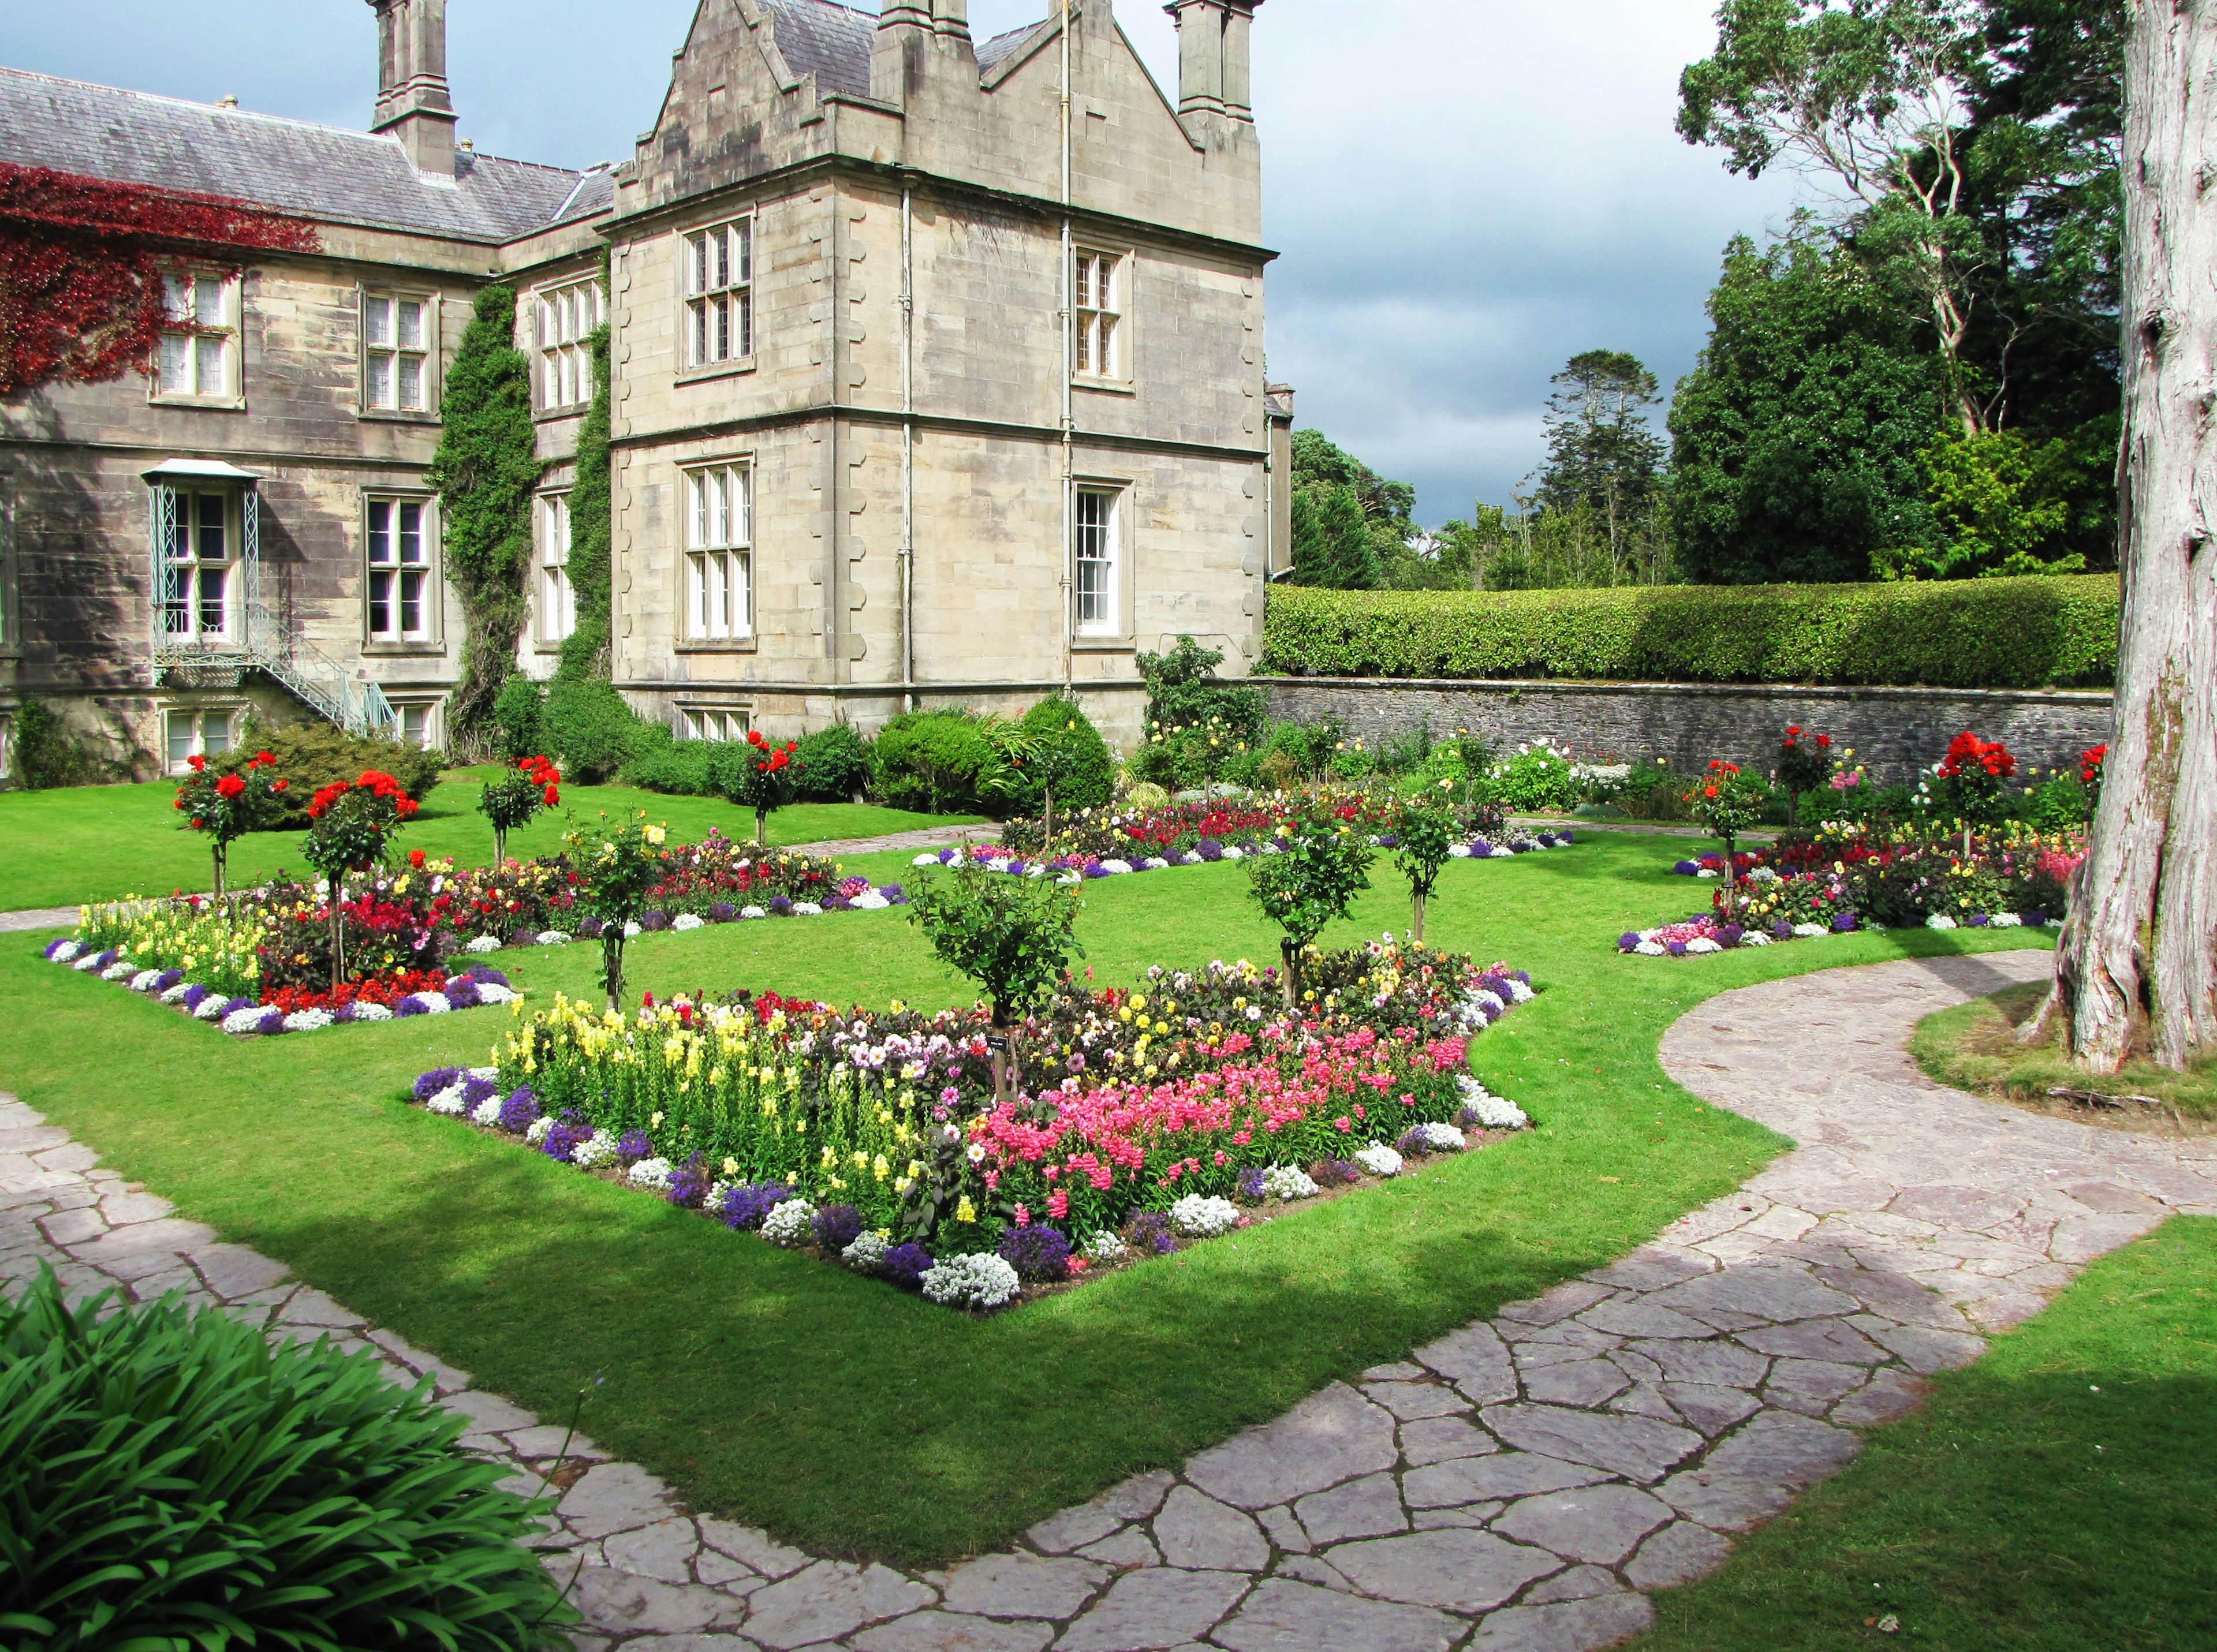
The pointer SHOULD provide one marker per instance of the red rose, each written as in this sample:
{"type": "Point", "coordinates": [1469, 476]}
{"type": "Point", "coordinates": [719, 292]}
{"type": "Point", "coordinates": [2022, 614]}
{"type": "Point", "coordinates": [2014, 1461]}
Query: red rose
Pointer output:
{"type": "Point", "coordinates": [197, 762]}
{"type": "Point", "coordinates": [263, 759]}
{"type": "Point", "coordinates": [554, 797]}
{"type": "Point", "coordinates": [1824, 740]}
{"type": "Point", "coordinates": [230, 787]}
{"type": "Point", "coordinates": [180, 803]}
{"type": "Point", "coordinates": [415, 858]}
{"type": "Point", "coordinates": [279, 785]}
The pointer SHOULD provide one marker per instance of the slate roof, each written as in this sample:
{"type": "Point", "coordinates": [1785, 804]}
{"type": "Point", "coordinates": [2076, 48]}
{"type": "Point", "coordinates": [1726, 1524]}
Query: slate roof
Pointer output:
{"type": "Point", "coordinates": [834, 42]}
{"type": "Point", "coordinates": [325, 173]}
{"type": "Point", "coordinates": [991, 53]}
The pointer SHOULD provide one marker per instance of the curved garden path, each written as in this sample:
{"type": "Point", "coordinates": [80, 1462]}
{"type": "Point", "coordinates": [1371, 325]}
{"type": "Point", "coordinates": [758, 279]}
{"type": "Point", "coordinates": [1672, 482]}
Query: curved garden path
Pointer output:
{"type": "Point", "coordinates": [1513, 1485]}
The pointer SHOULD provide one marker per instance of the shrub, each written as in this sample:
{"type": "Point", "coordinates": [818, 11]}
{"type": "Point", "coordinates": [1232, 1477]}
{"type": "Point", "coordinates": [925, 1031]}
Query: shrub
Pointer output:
{"type": "Point", "coordinates": [1533, 778]}
{"type": "Point", "coordinates": [659, 761]}
{"type": "Point", "coordinates": [834, 764]}
{"type": "Point", "coordinates": [314, 756]}
{"type": "Point", "coordinates": [1324, 865]}
{"type": "Point", "coordinates": [1184, 691]}
{"type": "Point", "coordinates": [1979, 633]}
{"type": "Point", "coordinates": [931, 761]}
{"type": "Point", "coordinates": [518, 717]}
{"type": "Point", "coordinates": [590, 729]}
{"type": "Point", "coordinates": [1070, 755]}
{"type": "Point", "coordinates": [46, 754]}
{"type": "Point", "coordinates": [173, 1479]}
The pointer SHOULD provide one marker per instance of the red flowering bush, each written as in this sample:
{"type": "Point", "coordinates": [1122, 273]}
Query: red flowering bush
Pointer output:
{"type": "Point", "coordinates": [513, 799]}
{"type": "Point", "coordinates": [387, 989]}
{"type": "Point", "coordinates": [354, 822]}
{"type": "Point", "coordinates": [226, 807]}
{"type": "Point", "coordinates": [761, 778]}
{"type": "Point", "coordinates": [1805, 762]}
{"type": "Point", "coordinates": [1974, 779]}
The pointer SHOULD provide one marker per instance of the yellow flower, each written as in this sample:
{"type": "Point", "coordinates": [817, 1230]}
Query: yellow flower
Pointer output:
{"type": "Point", "coordinates": [966, 1212]}
{"type": "Point", "coordinates": [730, 1167]}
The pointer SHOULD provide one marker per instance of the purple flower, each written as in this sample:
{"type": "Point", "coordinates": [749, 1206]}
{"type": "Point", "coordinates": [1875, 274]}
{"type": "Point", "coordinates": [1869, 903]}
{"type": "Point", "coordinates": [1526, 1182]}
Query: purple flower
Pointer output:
{"type": "Point", "coordinates": [904, 1266]}
{"type": "Point", "coordinates": [1017, 869]}
{"type": "Point", "coordinates": [1781, 930]}
{"type": "Point", "coordinates": [723, 912]}
{"type": "Point", "coordinates": [2036, 919]}
{"type": "Point", "coordinates": [1252, 1187]}
{"type": "Point", "coordinates": [462, 993]}
{"type": "Point", "coordinates": [1844, 923]}
{"type": "Point", "coordinates": [895, 895]}
{"type": "Point", "coordinates": [1387, 841]}
{"type": "Point", "coordinates": [1479, 848]}
{"type": "Point", "coordinates": [837, 1226]}
{"type": "Point", "coordinates": [1627, 941]}
{"type": "Point", "coordinates": [272, 1022]}
{"type": "Point", "coordinates": [653, 922]}
{"type": "Point", "coordinates": [947, 857]}
{"type": "Point", "coordinates": [1686, 868]}
{"type": "Point", "coordinates": [1209, 849]}
{"type": "Point", "coordinates": [411, 1005]}
{"type": "Point", "coordinates": [1095, 869]}
{"type": "Point", "coordinates": [1413, 1143]}
{"type": "Point", "coordinates": [523, 935]}
{"type": "Point", "coordinates": [1729, 934]}
{"type": "Point", "coordinates": [232, 1005]}
{"type": "Point", "coordinates": [1676, 948]}
{"type": "Point", "coordinates": [485, 975]}
{"type": "Point", "coordinates": [1338, 1170]}
{"type": "Point", "coordinates": [167, 979]}
{"type": "Point", "coordinates": [690, 1183]}
{"type": "Point", "coordinates": [344, 1015]}
{"type": "Point", "coordinates": [589, 929]}
{"type": "Point", "coordinates": [53, 946]}
{"type": "Point", "coordinates": [1037, 1251]}
{"type": "Point", "coordinates": [1151, 1232]}
{"type": "Point", "coordinates": [632, 1146]}
{"type": "Point", "coordinates": [568, 1133]}
{"type": "Point", "coordinates": [520, 1111]}
{"type": "Point", "coordinates": [1563, 838]}
{"type": "Point", "coordinates": [780, 907]}
{"type": "Point", "coordinates": [838, 903]}
{"type": "Point", "coordinates": [745, 1206]}
{"type": "Point", "coordinates": [1980, 920]}
{"type": "Point", "coordinates": [1467, 1117]}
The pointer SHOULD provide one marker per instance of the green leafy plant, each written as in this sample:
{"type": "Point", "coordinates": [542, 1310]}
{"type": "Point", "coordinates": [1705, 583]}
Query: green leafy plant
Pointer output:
{"type": "Point", "coordinates": [616, 866]}
{"type": "Point", "coordinates": [1805, 762]}
{"type": "Point", "coordinates": [517, 796]}
{"type": "Point", "coordinates": [1068, 767]}
{"type": "Point", "coordinates": [1534, 778]}
{"type": "Point", "coordinates": [353, 824]}
{"type": "Point", "coordinates": [1322, 864]}
{"type": "Point", "coordinates": [517, 719]}
{"type": "Point", "coordinates": [1013, 936]}
{"type": "Point", "coordinates": [314, 755]}
{"type": "Point", "coordinates": [758, 776]}
{"type": "Point", "coordinates": [932, 761]}
{"type": "Point", "coordinates": [172, 1479]}
{"type": "Point", "coordinates": [590, 729]}
{"type": "Point", "coordinates": [834, 764]}
{"type": "Point", "coordinates": [224, 808]}
{"type": "Point", "coordinates": [1423, 827]}
{"type": "Point", "coordinates": [486, 470]}
{"type": "Point", "coordinates": [592, 525]}
{"type": "Point", "coordinates": [1728, 802]}
{"type": "Point", "coordinates": [45, 754]}
{"type": "Point", "coordinates": [1184, 692]}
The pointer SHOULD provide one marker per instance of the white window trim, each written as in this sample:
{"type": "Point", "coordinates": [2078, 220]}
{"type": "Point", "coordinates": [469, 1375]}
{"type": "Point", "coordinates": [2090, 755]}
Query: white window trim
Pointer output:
{"type": "Point", "coordinates": [1122, 263]}
{"type": "Point", "coordinates": [189, 568]}
{"type": "Point", "coordinates": [231, 331]}
{"type": "Point", "coordinates": [555, 350]}
{"type": "Point", "coordinates": [434, 712]}
{"type": "Point", "coordinates": [434, 584]}
{"type": "Point", "coordinates": [697, 546]}
{"type": "Point", "coordinates": [426, 351]}
{"type": "Point", "coordinates": [231, 715]}
{"type": "Point", "coordinates": [729, 722]}
{"type": "Point", "coordinates": [691, 361]}
{"type": "Point", "coordinates": [1114, 631]}
{"type": "Point", "coordinates": [555, 607]}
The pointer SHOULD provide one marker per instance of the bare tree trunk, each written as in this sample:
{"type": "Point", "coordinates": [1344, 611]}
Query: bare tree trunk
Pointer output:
{"type": "Point", "coordinates": [1416, 928]}
{"type": "Point", "coordinates": [2142, 934]}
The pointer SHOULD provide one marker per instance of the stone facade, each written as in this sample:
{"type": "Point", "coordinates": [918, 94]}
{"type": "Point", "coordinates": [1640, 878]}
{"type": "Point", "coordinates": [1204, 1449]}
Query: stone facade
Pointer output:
{"type": "Point", "coordinates": [919, 462]}
{"type": "Point", "coordinates": [1893, 732]}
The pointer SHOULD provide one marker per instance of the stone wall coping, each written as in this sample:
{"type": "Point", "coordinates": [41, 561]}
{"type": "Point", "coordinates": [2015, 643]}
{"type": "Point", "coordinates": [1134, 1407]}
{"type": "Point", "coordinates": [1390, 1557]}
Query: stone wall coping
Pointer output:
{"type": "Point", "coordinates": [1714, 690]}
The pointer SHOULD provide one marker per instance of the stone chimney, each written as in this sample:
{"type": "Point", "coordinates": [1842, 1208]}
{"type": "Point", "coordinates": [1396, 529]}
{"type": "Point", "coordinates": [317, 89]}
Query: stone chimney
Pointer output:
{"type": "Point", "coordinates": [909, 31]}
{"type": "Point", "coordinates": [412, 81]}
{"type": "Point", "coordinates": [1214, 77]}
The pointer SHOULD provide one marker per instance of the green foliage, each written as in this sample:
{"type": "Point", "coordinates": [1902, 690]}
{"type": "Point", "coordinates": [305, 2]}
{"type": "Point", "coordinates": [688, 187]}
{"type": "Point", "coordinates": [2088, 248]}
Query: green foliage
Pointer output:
{"type": "Point", "coordinates": [1425, 827]}
{"type": "Point", "coordinates": [1600, 453]}
{"type": "Point", "coordinates": [1183, 692]}
{"type": "Point", "coordinates": [45, 753]}
{"type": "Point", "coordinates": [1988, 633]}
{"type": "Point", "coordinates": [1322, 864]}
{"type": "Point", "coordinates": [2001, 504]}
{"type": "Point", "coordinates": [590, 728]}
{"type": "Point", "coordinates": [518, 719]}
{"type": "Point", "coordinates": [757, 776]}
{"type": "Point", "coordinates": [355, 825]}
{"type": "Point", "coordinates": [616, 866]}
{"type": "Point", "coordinates": [311, 755]}
{"type": "Point", "coordinates": [1533, 778]}
{"type": "Point", "coordinates": [1013, 936]}
{"type": "Point", "coordinates": [1333, 544]}
{"type": "Point", "coordinates": [834, 763]}
{"type": "Point", "coordinates": [1068, 756]}
{"type": "Point", "coordinates": [486, 470]}
{"type": "Point", "coordinates": [932, 761]}
{"type": "Point", "coordinates": [660, 761]}
{"type": "Point", "coordinates": [592, 530]}
{"type": "Point", "coordinates": [172, 1479]}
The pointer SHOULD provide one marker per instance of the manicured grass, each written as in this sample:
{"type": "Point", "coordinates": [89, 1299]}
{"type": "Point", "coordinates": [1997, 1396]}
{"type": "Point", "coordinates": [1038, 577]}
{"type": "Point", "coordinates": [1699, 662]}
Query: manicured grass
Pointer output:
{"type": "Point", "coordinates": [96, 842]}
{"type": "Point", "coordinates": [2053, 1497]}
{"type": "Point", "coordinates": [830, 1408]}
{"type": "Point", "coordinates": [1973, 1047]}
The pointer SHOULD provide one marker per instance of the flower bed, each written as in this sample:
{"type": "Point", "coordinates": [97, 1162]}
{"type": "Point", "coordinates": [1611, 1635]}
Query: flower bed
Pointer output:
{"type": "Point", "coordinates": [1176, 1110]}
{"type": "Point", "coordinates": [1075, 867]}
{"type": "Point", "coordinates": [430, 993]}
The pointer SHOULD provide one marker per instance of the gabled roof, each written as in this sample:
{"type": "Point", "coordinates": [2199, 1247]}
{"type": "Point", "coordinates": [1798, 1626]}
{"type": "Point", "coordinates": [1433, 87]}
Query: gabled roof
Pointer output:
{"type": "Point", "coordinates": [325, 173]}
{"type": "Point", "coordinates": [991, 53]}
{"type": "Point", "coordinates": [834, 42]}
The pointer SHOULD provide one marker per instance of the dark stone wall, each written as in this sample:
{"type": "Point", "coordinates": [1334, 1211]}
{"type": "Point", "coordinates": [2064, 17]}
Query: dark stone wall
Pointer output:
{"type": "Point", "coordinates": [1893, 732]}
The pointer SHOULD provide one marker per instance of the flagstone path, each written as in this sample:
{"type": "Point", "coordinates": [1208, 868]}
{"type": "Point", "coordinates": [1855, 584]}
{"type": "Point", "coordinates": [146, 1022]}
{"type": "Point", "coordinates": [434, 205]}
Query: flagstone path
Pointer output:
{"type": "Point", "coordinates": [1514, 1486]}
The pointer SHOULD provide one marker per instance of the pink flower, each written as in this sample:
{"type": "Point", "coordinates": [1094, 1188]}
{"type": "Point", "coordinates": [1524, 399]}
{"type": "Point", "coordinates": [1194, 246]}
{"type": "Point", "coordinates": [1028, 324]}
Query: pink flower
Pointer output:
{"type": "Point", "coordinates": [1023, 1216]}
{"type": "Point", "coordinates": [1342, 1124]}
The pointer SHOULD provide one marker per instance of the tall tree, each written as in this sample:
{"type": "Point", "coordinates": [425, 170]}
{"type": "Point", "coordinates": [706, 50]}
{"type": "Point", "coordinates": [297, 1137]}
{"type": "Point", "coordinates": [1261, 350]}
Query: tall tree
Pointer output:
{"type": "Point", "coordinates": [1349, 523]}
{"type": "Point", "coordinates": [2139, 952]}
{"type": "Point", "coordinates": [1601, 453]}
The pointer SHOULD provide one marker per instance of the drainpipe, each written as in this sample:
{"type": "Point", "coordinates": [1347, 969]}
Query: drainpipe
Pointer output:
{"type": "Point", "coordinates": [1069, 363]}
{"type": "Point", "coordinates": [908, 452]}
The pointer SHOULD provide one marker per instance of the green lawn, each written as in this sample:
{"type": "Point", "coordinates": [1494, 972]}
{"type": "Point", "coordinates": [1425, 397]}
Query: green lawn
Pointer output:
{"type": "Point", "coordinates": [96, 842]}
{"type": "Point", "coordinates": [834, 1411]}
{"type": "Point", "coordinates": [1974, 1047]}
{"type": "Point", "coordinates": [2053, 1497]}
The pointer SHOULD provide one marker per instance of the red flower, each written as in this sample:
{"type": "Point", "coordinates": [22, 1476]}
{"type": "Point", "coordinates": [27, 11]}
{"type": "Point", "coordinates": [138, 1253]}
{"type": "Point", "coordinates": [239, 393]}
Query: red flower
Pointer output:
{"type": "Point", "coordinates": [197, 762]}
{"type": "Point", "coordinates": [415, 858]}
{"type": "Point", "coordinates": [1823, 741]}
{"type": "Point", "coordinates": [230, 787]}
{"type": "Point", "coordinates": [261, 760]}
{"type": "Point", "coordinates": [180, 803]}
{"type": "Point", "coordinates": [1710, 791]}
{"type": "Point", "coordinates": [554, 797]}
{"type": "Point", "coordinates": [279, 785]}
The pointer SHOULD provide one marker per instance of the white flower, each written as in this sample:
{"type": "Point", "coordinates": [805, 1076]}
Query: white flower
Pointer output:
{"type": "Point", "coordinates": [689, 920]}
{"type": "Point", "coordinates": [1201, 1217]}
{"type": "Point", "coordinates": [1442, 1138]}
{"type": "Point", "coordinates": [631, 931]}
{"type": "Point", "coordinates": [487, 1112]}
{"type": "Point", "coordinates": [1115, 868]}
{"type": "Point", "coordinates": [448, 1101]}
{"type": "Point", "coordinates": [925, 860]}
{"type": "Point", "coordinates": [1939, 920]}
{"type": "Point", "coordinates": [1501, 852]}
{"type": "Point", "coordinates": [122, 970]}
{"type": "Point", "coordinates": [1070, 879]}
{"type": "Point", "coordinates": [599, 1150]}
{"type": "Point", "coordinates": [1651, 949]}
{"type": "Point", "coordinates": [1521, 991]}
{"type": "Point", "coordinates": [868, 1253]}
{"type": "Point", "coordinates": [1231, 853]}
{"type": "Point", "coordinates": [752, 912]}
{"type": "Point", "coordinates": [372, 1013]}
{"type": "Point", "coordinates": [999, 863]}
{"type": "Point", "coordinates": [1287, 1182]}
{"type": "Point", "coordinates": [307, 1020]}
{"type": "Point", "coordinates": [552, 938]}
{"type": "Point", "coordinates": [1192, 858]}
{"type": "Point", "coordinates": [1702, 944]}
{"type": "Point", "coordinates": [975, 1281]}
{"type": "Point", "coordinates": [1460, 851]}
{"type": "Point", "coordinates": [872, 902]}
{"type": "Point", "coordinates": [68, 951]}
{"type": "Point", "coordinates": [790, 1223]}
{"type": "Point", "coordinates": [145, 980]}
{"type": "Point", "coordinates": [1755, 938]}
{"type": "Point", "coordinates": [435, 1003]}
{"type": "Point", "coordinates": [483, 943]}
{"type": "Point", "coordinates": [211, 1007]}
{"type": "Point", "coordinates": [172, 994]}
{"type": "Point", "coordinates": [1156, 863]}
{"type": "Point", "coordinates": [537, 1134]}
{"type": "Point", "coordinates": [1810, 931]}
{"type": "Point", "coordinates": [1705, 872]}
{"type": "Point", "coordinates": [1102, 1246]}
{"type": "Point", "coordinates": [1762, 875]}
{"type": "Point", "coordinates": [1379, 1160]}
{"type": "Point", "coordinates": [492, 992]}
{"type": "Point", "coordinates": [807, 909]}
{"type": "Point", "coordinates": [2005, 921]}
{"type": "Point", "coordinates": [244, 1020]}
{"type": "Point", "coordinates": [490, 1075]}
{"type": "Point", "coordinates": [1493, 1112]}
{"type": "Point", "coordinates": [652, 1174]}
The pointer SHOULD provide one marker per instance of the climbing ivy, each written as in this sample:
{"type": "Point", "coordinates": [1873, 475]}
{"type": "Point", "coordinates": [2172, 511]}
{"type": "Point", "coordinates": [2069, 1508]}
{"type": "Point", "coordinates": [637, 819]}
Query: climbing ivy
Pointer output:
{"type": "Point", "coordinates": [585, 650]}
{"type": "Point", "coordinates": [486, 470]}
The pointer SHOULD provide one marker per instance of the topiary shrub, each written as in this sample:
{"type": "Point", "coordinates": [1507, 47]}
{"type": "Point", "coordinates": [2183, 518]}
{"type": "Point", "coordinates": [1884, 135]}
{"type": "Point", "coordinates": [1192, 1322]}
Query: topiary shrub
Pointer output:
{"type": "Point", "coordinates": [519, 715]}
{"type": "Point", "coordinates": [172, 1480]}
{"type": "Point", "coordinates": [590, 729]}
{"type": "Point", "coordinates": [1070, 756]}
{"type": "Point", "coordinates": [312, 755]}
{"type": "Point", "coordinates": [930, 761]}
{"type": "Point", "coordinates": [834, 764]}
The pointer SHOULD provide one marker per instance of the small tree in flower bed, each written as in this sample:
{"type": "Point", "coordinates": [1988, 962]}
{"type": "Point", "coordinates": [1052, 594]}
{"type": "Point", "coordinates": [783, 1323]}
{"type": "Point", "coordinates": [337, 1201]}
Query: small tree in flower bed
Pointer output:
{"type": "Point", "coordinates": [616, 867]}
{"type": "Point", "coordinates": [1013, 936]}
{"type": "Point", "coordinates": [1424, 832]}
{"type": "Point", "coordinates": [760, 777]}
{"type": "Point", "coordinates": [2090, 766]}
{"type": "Point", "coordinates": [224, 808]}
{"type": "Point", "coordinates": [353, 825]}
{"type": "Point", "coordinates": [1726, 803]}
{"type": "Point", "coordinates": [1974, 780]}
{"type": "Point", "coordinates": [1805, 762]}
{"type": "Point", "coordinates": [1323, 863]}
{"type": "Point", "coordinates": [517, 796]}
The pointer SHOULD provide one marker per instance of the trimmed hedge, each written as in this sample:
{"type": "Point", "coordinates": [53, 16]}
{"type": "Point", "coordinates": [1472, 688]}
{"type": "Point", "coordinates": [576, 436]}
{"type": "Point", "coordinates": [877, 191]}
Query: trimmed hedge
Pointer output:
{"type": "Point", "coordinates": [2054, 632]}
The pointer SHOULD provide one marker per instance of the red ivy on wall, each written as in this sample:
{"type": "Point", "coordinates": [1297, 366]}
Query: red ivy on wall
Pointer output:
{"type": "Point", "coordinates": [81, 268]}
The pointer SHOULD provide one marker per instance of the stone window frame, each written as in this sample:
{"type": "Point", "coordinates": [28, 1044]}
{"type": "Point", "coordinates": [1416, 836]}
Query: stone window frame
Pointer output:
{"type": "Point", "coordinates": [233, 713]}
{"type": "Point", "coordinates": [545, 507]}
{"type": "Point", "coordinates": [434, 708]}
{"type": "Point", "coordinates": [688, 370]}
{"type": "Point", "coordinates": [681, 526]}
{"type": "Point", "coordinates": [733, 722]}
{"type": "Point", "coordinates": [428, 350]}
{"type": "Point", "coordinates": [433, 641]}
{"type": "Point", "coordinates": [1125, 260]}
{"type": "Point", "coordinates": [551, 353]}
{"type": "Point", "coordinates": [1122, 634]}
{"type": "Point", "coordinates": [230, 333]}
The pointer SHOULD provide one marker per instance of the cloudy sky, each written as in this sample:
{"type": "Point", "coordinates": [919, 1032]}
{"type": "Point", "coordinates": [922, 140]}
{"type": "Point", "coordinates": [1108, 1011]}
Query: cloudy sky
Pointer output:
{"type": "Point", "coordinates": [1466, 193]}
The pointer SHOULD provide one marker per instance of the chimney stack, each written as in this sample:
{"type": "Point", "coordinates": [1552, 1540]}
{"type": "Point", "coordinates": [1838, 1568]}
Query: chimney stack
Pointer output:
{"type": "Point", "coordinates": [907, 31]}
{"type": "Point", "coordinates": [413, 101]}
{"type": "Point", "coordinates": [1215, 77]}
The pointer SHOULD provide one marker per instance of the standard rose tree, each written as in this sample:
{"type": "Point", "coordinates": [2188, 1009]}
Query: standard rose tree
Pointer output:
{"type": "Point", "coordinates": [1726, 803]}
{"type": "Point", "coordinates": [517, 796]}
{"type": "Point", "coordinates": [1974, 780]}
{"type": "Point", "coordinates": [227, 807]}
{"type": "Point", "coordinates": [615, 868]}
{"type": "Point", "coordinates": [1322, 864]}
{"type": "Point", "coordinates": [1013, 936]}
{"type": "Point", "coordinates": [354, 824]}
{"type": "Point", "coordinates": [760, 777]}
{"type": "Point", "coordinates": [1805, 762]}
{"type": "Point", "coordinates": [1424, 838]}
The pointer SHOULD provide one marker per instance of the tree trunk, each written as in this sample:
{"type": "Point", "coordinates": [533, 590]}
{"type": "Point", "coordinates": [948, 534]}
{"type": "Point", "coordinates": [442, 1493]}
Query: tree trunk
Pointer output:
{"type": "Point", "coordinates": [1417, 916]}
{"type": "Point", "coordinates": [338, 929]}
{"type": "Point", "coordinates": [611, 950]}
{"type": "Point", "coordinates": [997, 1043]}
{"type": "Point", "coordinates": [761, 828]}
{"type": "Point", "coordinates": [1289, 954]}
{"type": "Point", "coordinates": [1048, 824]}
{"type": "Point", "coordinates": [220, 856]}
{"type": "Point", "coordinates": [2141, 938]}
{"type": "Point", "coordinates": [500, 846]}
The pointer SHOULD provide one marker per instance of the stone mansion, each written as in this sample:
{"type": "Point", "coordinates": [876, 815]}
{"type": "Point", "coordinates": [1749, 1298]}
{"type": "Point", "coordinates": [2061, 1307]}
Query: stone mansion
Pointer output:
{"type": "Point", "coordinates": [937, 379]}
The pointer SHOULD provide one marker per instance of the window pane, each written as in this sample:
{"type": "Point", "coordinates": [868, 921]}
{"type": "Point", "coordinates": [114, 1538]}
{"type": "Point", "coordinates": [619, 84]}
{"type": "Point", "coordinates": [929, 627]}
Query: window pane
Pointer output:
{"type": "Point", "coordinates": [549, 321]}
{"type": "Point", "coordinates": [720, 249]}
{"type": "Point", "coordinates": [1085, 282]}
{"type": "Point", "coordinates": [210, 369]}
{"type": "Point", "coordinates": [699, 334]}
{"type": "Point", "coordinates": [180, 737]}
{"type": "Point", "coordinates": [177, 297]}
{"type": "Point", "coordinates": [208, 519]}
{"type": "Point", "coordinates": [208, 301]}
{"type": "Point", "coordinates": [742, 505]}
{"type": "Point", "coordinates": [411, 324]}
{"type": "Point", "coordinates": [742, 307]}
{"type": "Point", "coordinates": [380, 381]}
{"type": "Point", "coordinates": [743, 237]}
{"type": "Point", "coordinates": [380, 604]}
{"type": "Point", "coordinates": [742, 572]}
{"type": "Point", "coordinates": [696, 596]}
{"type": "Point", "coordinates": [722, 310]}
{"type": "Point", "coordinates": [414, 724]}
{"type": "Point", "coordinates": [176, 371]}
{"type": "Point", "coordinates": [697, 273]}
{"type": "Point", "coordinates": [377, 319]}
{"type": "Point", "coordinates": [411, 533]}
{"type": "Point", "coordinates": [720, 507]}
{"type": "Point", "coordinates": [1107, 353]}
{"type": "Point", "coordinates": [719, 597]}
{"type": "Point", "coordinates": [215, 733]}
{"type": "Point", "coordinates": [212, 582]}
{"type": "Point", "coordinates": [380, 530]}
{"type": "Point", "coordinates": [411, 382]}
{"type": "Point", "coordinates": [1085, 344]}
{"type": "Point", "coordinates": [411, 604]}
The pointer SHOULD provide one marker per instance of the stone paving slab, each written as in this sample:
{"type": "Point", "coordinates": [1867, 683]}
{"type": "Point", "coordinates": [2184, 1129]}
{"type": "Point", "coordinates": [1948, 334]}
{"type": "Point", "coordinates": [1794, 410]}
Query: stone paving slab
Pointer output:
{"type": "Point", "coordinates": [1515, 1485]}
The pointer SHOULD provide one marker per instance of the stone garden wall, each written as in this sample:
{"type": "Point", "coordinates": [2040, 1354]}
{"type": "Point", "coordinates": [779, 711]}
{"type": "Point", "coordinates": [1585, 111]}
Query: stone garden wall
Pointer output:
{"type": "Point", "coordinates": [1893, 732]}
